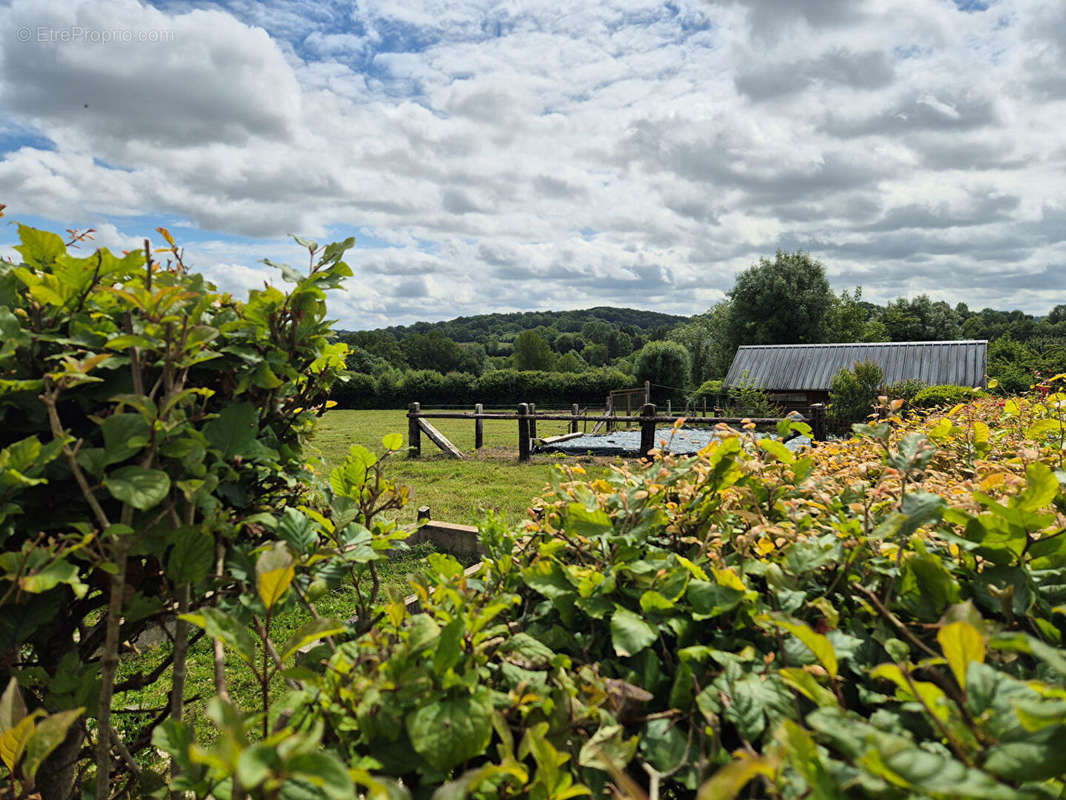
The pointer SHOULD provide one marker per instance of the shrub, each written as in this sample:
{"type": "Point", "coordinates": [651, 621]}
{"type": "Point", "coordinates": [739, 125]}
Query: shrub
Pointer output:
{"type": "Point", "coordinates": [748, 400]}
{"type": "Point", "coordinates": [853, 392]}
{"type": "Point", "coordinates": [945, 395]}
{"type": "Point", "coordinates": [149, 425]}
{"type": "Point", "coordinates": [904, 390]}
{"type": "Point", "coordinates": [712, 391]}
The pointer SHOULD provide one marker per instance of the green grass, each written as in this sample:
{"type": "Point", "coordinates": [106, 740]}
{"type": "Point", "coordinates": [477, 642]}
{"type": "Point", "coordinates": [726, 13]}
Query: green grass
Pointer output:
{"type": "Point", "coordinates": [455, 491]}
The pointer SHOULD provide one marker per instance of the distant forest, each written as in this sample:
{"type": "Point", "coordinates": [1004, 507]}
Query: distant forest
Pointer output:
{"type": "Point", "coordinates": [491, 357]}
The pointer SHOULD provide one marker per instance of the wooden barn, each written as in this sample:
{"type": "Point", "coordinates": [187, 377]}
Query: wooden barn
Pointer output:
{"type": "Point", "coordinates": [799, 374]}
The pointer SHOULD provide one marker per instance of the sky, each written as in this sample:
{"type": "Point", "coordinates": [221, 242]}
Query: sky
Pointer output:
{"type": "Point", "coordinates": [531, 154]}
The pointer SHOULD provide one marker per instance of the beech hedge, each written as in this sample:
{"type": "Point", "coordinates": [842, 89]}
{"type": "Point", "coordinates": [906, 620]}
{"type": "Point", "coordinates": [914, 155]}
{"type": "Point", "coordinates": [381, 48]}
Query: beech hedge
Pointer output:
{"type": "Point", "coordinates": [395, 389]}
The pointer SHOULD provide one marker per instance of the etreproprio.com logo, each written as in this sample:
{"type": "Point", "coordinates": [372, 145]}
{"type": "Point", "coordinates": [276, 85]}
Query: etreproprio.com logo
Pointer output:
{"type": "Point", "coordinates": [50, 34]}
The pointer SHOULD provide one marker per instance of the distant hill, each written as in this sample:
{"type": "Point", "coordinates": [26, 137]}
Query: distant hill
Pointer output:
{"type": "Point", "coordinates": [504, 326]}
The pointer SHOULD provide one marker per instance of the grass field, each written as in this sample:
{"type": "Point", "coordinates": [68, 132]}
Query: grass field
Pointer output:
{"type": "Point", "coordinates": [455, 491]}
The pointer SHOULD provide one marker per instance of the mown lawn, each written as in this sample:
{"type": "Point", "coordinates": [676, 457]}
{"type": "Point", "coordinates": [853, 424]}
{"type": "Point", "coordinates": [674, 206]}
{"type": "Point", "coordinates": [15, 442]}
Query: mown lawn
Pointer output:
{"type": "Point", "coordinates": [455, 491]}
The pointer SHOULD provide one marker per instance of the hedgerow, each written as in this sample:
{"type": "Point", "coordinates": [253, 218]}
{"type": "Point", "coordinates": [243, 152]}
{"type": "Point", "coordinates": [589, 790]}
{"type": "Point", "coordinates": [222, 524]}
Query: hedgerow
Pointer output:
{"type": "Point", "coordinates": [877, 618]}
{"type": "Point", "coordinates": [396, 389]}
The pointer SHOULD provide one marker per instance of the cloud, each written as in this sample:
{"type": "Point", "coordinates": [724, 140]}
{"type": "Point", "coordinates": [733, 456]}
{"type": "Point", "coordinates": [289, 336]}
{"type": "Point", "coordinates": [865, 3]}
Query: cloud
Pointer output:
{"type": "Point", "coordinates": [527, 155]}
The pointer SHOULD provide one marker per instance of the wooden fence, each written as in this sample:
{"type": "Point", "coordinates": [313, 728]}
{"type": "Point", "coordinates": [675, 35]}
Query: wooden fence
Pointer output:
{"type": "Point", "coordinates": [527, 417]}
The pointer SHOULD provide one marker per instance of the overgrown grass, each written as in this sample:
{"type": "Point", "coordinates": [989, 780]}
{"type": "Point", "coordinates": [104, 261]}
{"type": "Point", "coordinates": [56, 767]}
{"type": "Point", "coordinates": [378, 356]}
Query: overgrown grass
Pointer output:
{"type": "Point", "coordinates": [490, 479]}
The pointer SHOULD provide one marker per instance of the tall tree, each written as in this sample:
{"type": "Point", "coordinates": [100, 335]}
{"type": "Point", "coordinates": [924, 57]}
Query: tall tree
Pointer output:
{"type": "Point", "coordinates": [782, 301]}
{"type": "Point", "coordinates": [666, 364]}
{"type": "Point", "coordinates": [920, 320]}
{"type": "Point", "coordinates": [531, 351]}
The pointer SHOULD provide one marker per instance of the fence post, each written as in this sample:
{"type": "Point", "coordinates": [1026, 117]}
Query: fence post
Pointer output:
{"type": "Point", "coordinates": [609, 427]}
{"type": "Point", "coordinates": [479, 426]}
{"type": "Point", "coordinates": [423, 513]}
{"type": "Point", "coordinates": [647, 429]}
{"type": "Point", "coordinates": [818, 422]}
{"type": "Point", "coordinates": [669, 411]}
{"type": "Point", "coordinates": [533, 421]}
{"type": "Point", "coordinates": [414, 433]}
{"type": "Point", "coordinates": [647, 391]}
{"type": "Point", "coordinates": [705, 405]}
{"type": "Point", "coordinates": [574, 411]}
{"type": "Point", "coordinates": [523, 432]}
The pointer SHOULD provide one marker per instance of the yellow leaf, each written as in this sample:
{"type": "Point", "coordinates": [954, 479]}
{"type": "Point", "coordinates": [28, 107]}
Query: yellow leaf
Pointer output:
{"type": "Point", "coordinates": [727, 577]}
{"type": "Point", "coordinates": [274, 572]}
{"type": "Point", "coordinates": [727, 782]}
{"type": "Point", "coordinates": [166, 235]}
{"type": "Point", "coordinates": [992, 481]}
{"type": "Point", "coordinates": [818, 644]}
{"type": "Point", "coordinates": [764, 546]}
{"type": "Point", "coordinates": [13, 740]}
{"type": "Point", "coordinates": [961, 643]}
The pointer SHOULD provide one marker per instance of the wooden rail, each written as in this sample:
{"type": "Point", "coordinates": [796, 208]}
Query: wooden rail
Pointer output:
{"type": "Point", "coordinates": [527, 417]}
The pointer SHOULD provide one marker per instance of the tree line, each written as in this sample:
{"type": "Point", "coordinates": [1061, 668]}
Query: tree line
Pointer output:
{"type": "Point", "coordinates": [787, 300]}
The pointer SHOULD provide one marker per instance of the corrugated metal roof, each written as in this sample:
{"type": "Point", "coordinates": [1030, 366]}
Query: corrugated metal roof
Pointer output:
{"type": "Point", "coordinates": [799, 367]}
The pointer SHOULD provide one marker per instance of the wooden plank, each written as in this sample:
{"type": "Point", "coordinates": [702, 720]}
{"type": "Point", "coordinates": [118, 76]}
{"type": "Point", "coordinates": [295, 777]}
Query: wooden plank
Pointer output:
{"type": "Point", "coordinates": [561, 438]}
{"type": "Point", "coordinates": [439, 439]}
{"type": "Point", "coordinates": [602, 420]}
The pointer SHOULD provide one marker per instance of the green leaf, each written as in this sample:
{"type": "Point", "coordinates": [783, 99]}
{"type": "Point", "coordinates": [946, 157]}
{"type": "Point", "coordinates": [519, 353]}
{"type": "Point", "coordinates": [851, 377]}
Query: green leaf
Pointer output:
{"type": "Point", "coordinates": [807, 685]}
{"type": "Point", "coordinates": [227, 629]}
{"type": "Point", "coordinates": [392, 441]}
{"type": "Point", "coordinates": [310, 244]}
{"type": "Point", "coordinates": [926, 587]}
{"type": "Point", "coordinates": [803, 755]}
{"type": "Point", "coordinates": [290, 274]}
{"type": "Point", "coordinates": [298, 529]}
{"type": "Point", "coordinates": [256, 764]}
{"type": "Point", "coordinates": [711, 599]}
{"type": "Point", "coordinates": [312, 631]}
{"type": "Point", "coordinates": [39, 248]}
{"type": "Point", "coordinates": [1026, 761]}
{"type": "Point", "coordinates": [608, 749]}
{"type": "Point", "coordinates": [124, 436]}
{"type": "Point", "coordinates": [777, 450]}
{"type": "Point", "coordinates": [51, 576]}
{"type": "Point", "coordinates": [348, 479]}
{"type": "Point", "coordinates": [1024, 643]}
{"type": "Point", "coordinates": [1041, 489]}
{"type": "Point", "coordinates": [139, 487]}
{"type": "Point", "coordinates": [629, 632]}
{"type": "Point", "coordinates": [234, 432]}
{"type": "Point", "coordinates": [274, 572]}
{"type": "Point", "coordinates": [48, 735]}
{"type": "Point", "coordinates": [664, 744]}
{"type": "Point", "coordinates": [652, 600]}
{"type": "Point", "coordinates": [324, 772]}
{"type": "Point", "coordinates": [580, 521]}
{"type": "Point", "coordinates": [449, 732]}
{"type": "Point", "coordinates": [175, 738]}
{"type": "Point", "coordinates": [961, 643]}
{"type": "Point", "coordinates": [1042, 427]}
{"type": "Point", "coordinates": [449, 646]}
{"type": "Point", "coordinates": [191, 557]}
